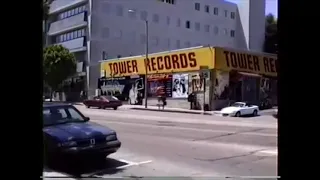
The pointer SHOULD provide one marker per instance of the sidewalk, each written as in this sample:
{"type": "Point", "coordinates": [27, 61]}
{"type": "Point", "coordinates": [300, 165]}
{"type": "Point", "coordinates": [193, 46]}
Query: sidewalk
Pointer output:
{"type": "Point", "coordinates": [178, 110]}
{"type": "Point", "coordinates": [175, 110]}
{"type": "Point", "coordinates": [166, 109]}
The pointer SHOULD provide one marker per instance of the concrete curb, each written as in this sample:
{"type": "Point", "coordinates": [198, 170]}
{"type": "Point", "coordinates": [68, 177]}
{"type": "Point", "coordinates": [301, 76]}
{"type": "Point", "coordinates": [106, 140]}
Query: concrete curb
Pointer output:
{"type": "Point", "coordinates": [171, 110]}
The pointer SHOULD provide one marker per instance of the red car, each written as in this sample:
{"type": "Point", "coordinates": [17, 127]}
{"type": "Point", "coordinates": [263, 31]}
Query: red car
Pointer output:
{"type": "Point", "coordinates": [103, 102]}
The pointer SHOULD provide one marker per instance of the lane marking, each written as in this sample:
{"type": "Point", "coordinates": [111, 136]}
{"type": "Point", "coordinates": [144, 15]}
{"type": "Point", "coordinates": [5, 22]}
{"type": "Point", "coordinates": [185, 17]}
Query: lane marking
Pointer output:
{"type": "Point", "coordinates": [271, 152]}
{"type": "Point", "coordinates": [53, 174]}
{"type": "Point", "coordinates": [144, 162]}
{"type": "Point", "coordinates": [128, 164]}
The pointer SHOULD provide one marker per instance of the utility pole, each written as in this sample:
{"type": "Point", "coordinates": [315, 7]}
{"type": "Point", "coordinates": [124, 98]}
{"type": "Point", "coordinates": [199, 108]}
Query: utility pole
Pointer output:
{"type": "Point", "coordinates": [145, 61]}
{"type": "Point", "coordinates": [146, 68]}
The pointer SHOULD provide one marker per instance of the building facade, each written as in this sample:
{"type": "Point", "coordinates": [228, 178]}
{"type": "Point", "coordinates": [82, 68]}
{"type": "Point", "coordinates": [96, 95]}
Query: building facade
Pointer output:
{"type": "Point", "coordinates": [108, 29]}
{"type": "Point", "coordinates": [214, 76]}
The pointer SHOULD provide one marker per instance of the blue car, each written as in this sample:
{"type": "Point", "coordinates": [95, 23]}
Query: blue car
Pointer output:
{"type": "Point", "coordinates": [67, 133]}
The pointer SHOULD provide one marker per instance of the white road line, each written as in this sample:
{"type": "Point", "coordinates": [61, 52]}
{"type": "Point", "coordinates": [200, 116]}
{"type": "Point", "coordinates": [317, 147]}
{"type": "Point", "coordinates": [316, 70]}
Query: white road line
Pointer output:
{"type": "Point", "coordinates": [126, 161]}
{"type": "Point", "coordinates": [134, 163]}
{"type": "Point", "coordinates": [144, 162]}
{"type": "Point", "coordinates": [54, 174]}
{"type": "Point", "coordinates": [271, 152]}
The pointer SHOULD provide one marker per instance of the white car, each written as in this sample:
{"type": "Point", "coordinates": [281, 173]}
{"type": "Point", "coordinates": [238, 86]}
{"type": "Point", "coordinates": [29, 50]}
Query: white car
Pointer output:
{"type": "Point", "coordinates": [240, 109]}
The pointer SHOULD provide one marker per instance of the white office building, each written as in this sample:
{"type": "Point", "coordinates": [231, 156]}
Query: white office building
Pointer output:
{"type": "Point", "coordinates": [117, 27]}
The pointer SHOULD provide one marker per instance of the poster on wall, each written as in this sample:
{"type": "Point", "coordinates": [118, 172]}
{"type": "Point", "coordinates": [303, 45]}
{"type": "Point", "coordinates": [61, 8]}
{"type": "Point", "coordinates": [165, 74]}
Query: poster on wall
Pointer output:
{"type": "Point", "coordinates": [160, 84]}
{"type": "Point", "coordinates": [180, 85]}
{"type": "Point", "coordinates": [124, 88]}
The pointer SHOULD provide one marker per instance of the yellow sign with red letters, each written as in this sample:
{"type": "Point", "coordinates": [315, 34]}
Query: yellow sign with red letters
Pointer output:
{"type": "Point", "coordinates": [187, 60]}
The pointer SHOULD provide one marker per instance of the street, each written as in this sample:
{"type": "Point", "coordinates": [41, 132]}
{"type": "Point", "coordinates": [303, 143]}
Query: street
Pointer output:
{"type": "Point", "coordinates": [176, 144]}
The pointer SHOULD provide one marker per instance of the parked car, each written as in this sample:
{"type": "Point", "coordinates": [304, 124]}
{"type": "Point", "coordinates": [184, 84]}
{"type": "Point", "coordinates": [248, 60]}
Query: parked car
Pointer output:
{"type": "Point", "coordinates": [68, 133]}
{"type": "Point", "coordinates": [47, 99]}
{"type": "Point", "coordinates": [103, 102]}
{"type": "Point", "coordinates": [238, 109]}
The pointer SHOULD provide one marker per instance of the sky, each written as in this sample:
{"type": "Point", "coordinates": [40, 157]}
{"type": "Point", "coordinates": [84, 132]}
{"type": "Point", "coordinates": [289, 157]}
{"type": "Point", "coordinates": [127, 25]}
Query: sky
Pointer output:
{"type": "Point", "coordinates": [271, 6]}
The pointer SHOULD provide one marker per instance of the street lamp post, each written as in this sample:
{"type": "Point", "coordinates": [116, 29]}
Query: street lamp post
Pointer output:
{"type": "Point", "coordinates": [145, 62]}
{"type": "Point", "coordinates": [145, 65]}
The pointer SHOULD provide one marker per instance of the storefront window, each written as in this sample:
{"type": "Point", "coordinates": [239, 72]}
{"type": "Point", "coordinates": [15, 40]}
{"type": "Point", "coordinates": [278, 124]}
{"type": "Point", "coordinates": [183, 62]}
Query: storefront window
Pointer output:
{"type": "Point", "coordinates": [160, 84]}
{"type": "Point", "coordinates": [180, 85]}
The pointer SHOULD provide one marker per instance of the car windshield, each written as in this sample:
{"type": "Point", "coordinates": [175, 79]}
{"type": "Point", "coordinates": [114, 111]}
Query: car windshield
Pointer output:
{"type": "Point", "coordinates": [237, 105]}
{"type": "Point", "coordinates": [110, 98]}
{"type": "Point", "coordinates": [61, 115]}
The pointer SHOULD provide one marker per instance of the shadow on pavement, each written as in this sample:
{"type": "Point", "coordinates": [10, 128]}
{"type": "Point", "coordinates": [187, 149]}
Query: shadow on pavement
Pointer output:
{"type": "Point", "coordinates": [79, 168]}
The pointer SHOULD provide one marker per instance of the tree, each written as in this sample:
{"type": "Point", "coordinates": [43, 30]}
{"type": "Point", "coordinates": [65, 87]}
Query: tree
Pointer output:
{"type": "Point", "coordinates": [58, 65]}
{"type": "Point", "coordinates": [271, 35]}
{"type": "Point", "coordinates": [46, 7]}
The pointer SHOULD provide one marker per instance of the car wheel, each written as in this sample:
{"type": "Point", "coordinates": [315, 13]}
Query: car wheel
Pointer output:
{"type": "Point", "coordinates": [255, 113]}
{"type": "Point", "coordinates": [115, 108]}
{"type": "Point", "coordinates": [238, 114]}
{"type": "Point", "coordinates": [88, 106]}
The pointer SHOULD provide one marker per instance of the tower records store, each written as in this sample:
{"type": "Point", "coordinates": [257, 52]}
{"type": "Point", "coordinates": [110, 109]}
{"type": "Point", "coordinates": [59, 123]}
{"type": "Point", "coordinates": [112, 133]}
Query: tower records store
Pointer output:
{"type": "Point", "coordinates": [230, 75]}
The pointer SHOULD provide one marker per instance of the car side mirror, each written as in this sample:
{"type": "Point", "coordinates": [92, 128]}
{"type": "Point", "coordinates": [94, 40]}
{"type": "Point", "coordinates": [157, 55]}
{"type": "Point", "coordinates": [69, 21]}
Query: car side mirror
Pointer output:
{"type": "Point", "coordinates": [86, 118]}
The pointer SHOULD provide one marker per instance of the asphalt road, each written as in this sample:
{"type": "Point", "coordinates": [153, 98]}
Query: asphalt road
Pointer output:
{"type": "Point", "coordinates": [175, 144]}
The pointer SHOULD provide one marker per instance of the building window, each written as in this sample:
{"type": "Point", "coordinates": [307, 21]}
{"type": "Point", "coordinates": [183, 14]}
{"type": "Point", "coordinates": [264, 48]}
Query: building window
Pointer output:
{"type": "Point", "coordinates": [168, 43]}
{"type": "Point", "coordinates": [197, 6]}
{"type": "Point", "coordinates": [225, 31]}
{"type": "Point", "coordinates": [76, 10]}
{"type": "Point", "coordinates": [119, 10]}
{"type": "Point", "coordinates": [168, 1]}
{"type": "Point", "coordinates": [144, 15]}
{"type": "Point", "coordinates": [155, 18]}
{"type": "Point", "coordinates": [232, 33]}
{"type": "Point", "coordinates": [70, 36]}
{"type": "Point", "coordinates": [75, 34]}
{"type": "Point", "coordinates": [188, 24]}
{"type": "Point", "coordinates": [216, 30]}
{"type": "Point", "coordinates": [207, 28]}
{"type": "Point", "coordinates": [82, 8]}
{"type": "Point", "coordinates": [79, 33]}
{"type": "Point", "coordinates": [197, 26]}
{"type": "Point", "coordinates": [83, 32]}
{"type": "Point", "coordinates": [178, 22]}
{"type": "Point", "coordinates": [225, 13]}
{"type": "Point", "coordinates": [168, 20]}
{"type": "Point", "coordinates": [207, 9]}
{"type": "Point", "coordinates": [215, 11]}
{"type": "Point", "coordinates": [132, 14]}
{"type": "Point", "coordinates": [118, 56]}
{"type": "Point", "coordinates": [233, 15]}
